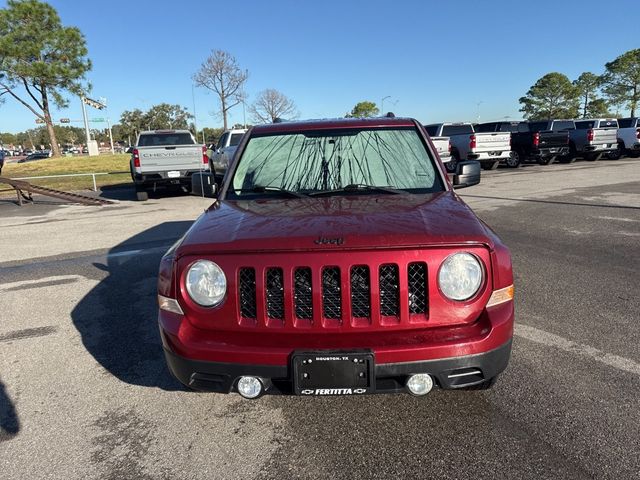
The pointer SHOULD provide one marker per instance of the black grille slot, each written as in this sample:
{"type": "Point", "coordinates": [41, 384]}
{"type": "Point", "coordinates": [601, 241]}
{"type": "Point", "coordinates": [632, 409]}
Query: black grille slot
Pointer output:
{"type": "Point", "coordinates": [247, 292]}
{"type": "Point", "coordinates": [275, 293]}
{"type": "Point", "coordinates": [331, 293]}
{"type": "Point", "coordinates": [303, 293]}
{"type": "Point", "coordinates": [389, 291]}
{"type": "Point", "coordinates": [360, 292]}
{"type": "Point", "coordinates": [417, 275]}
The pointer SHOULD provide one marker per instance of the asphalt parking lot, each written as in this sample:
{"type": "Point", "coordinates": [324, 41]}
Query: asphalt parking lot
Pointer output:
{"type": "Point", "coordinates": [85, 394]}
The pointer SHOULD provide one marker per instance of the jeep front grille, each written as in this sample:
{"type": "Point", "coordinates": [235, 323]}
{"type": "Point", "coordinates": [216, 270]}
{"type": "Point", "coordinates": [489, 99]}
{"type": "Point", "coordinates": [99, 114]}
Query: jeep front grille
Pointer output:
{"type": "Point", "coordinates": [303, 293]}
{"type": "Point", "coordinates": [399, 291]}
{"type": "Point", "coordinates": [360, 292]}
{"type": "Point", "coordinates": [331, 293]}
{"type": "Point", "coordinates": [389, 291]}
{"type": "Point", "coordinates": [417, 276]}
{"type": "Point", "coordinates": [275, 293]}
{"type": "Point", "coordinates": [247, 292]}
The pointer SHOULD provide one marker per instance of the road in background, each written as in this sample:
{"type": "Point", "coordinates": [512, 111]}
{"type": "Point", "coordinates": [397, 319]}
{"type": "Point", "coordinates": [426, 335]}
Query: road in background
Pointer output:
{"type": "Point", "coordinates": [84, 392]}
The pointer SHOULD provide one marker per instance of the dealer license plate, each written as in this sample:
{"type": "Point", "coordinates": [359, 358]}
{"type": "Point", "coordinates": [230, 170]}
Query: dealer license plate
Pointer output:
{"type": "Point", "coordinates": [333, 373]}
{"type": "Point", "coordinates": [173, 174]}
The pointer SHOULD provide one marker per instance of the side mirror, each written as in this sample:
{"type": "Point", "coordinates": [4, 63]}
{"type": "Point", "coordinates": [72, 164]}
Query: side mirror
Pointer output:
{"type": "Point", "coordinates": [203, 184]}
{"type": "Point", "coordinates": [467, 174]}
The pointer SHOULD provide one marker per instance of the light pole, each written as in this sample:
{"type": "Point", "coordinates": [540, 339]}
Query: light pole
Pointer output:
{"type": "Point", "coordinates": [110, 136]}
{"type": "Point", "coordinates": [86, 121]}
{"type": "Point", "coordinates": [478, 111]}
{"type": "Point", "coordinates": [195, 120]}
{"type": "Point", "coordinates": [382, 104]}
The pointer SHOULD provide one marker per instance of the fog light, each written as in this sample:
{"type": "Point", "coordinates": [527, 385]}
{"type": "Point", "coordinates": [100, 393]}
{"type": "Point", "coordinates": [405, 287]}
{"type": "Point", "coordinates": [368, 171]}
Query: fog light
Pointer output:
{"type": "Point", "coordinates": [249, 387]}
{"type": "Point", "coordinates": [420, 384]}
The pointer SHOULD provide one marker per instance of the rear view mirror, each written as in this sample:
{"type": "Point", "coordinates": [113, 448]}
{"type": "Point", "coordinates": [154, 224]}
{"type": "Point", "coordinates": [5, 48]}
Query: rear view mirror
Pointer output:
{"type": "Point", "coordinates": [203, 184]}
{"type": "Point", "coordinates": [467, 174]}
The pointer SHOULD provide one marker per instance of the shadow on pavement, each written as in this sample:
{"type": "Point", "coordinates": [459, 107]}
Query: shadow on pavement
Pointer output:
{"type": "Point", "coordinates": [9, 423]}
{"type": "Point", "coordinates": [126, 191]}
{"type": "Point", "coordinates": [117, 319]}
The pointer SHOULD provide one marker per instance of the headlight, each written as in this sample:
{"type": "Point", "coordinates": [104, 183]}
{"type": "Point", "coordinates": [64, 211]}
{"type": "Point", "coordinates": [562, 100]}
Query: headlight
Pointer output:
{"type": "Point", "coordinates": [206, 283]}
{"type": "Point", "coordinates": [460, 276]}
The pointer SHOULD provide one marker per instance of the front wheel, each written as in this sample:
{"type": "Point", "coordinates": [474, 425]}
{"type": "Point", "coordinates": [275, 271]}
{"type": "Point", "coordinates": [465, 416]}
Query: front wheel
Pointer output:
{"type": "Point", "coordinates": [490, 165]}
{"type": "Point", "coordinates": [514, 160]}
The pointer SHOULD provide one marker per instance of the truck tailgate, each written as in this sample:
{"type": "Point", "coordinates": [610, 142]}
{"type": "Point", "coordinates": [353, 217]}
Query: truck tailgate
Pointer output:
{"type": "Point", "coordinates": [551, 139]}
{"type": "Point", "coordinates": [605, 135]}
{"type": "Point", "coordinates": [442, 147]}
{"type": "Point", "coordinates": [179, 157]}
{"type": "Point", "coordinates": [492, 142]}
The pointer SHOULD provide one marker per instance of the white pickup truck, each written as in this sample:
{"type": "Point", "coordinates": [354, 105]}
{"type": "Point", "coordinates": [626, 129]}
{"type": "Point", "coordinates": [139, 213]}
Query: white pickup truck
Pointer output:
{"type": "Point", "coordinates": [166, 157]}
{"type": "Point", "coordinates": [487, 148]}
{"type": "Point", "coordinates": [222, 155]}
{"type": "Point", "coordinates": [443, 147]}
{"type": "Point", "coordinates": [629, 136]}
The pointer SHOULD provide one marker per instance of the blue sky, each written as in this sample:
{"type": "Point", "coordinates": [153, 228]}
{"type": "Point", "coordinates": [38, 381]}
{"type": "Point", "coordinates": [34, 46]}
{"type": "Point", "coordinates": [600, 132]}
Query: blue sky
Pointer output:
{"type": "Point", "coordinates": [436, 60]}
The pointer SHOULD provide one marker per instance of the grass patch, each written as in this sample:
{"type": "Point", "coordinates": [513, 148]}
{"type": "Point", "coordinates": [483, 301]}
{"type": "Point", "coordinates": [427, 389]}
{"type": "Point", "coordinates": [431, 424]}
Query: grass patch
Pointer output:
{"type": "Point", "coordinates": [69, 165]}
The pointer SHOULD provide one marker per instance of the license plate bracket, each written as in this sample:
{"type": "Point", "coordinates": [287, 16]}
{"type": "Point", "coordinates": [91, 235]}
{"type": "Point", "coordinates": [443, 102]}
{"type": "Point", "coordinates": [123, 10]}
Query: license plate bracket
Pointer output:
{"type": "Point", "coordinates": [333, 373]}
{"type": "Point", "coordinates": [173, 174]}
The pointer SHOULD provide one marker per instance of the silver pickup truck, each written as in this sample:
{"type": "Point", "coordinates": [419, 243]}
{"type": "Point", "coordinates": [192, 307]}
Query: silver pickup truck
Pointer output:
{"type": "Point", "coordinates": [222, 155]}
{"type": "Point", "coordinates": [592, 138]}
{"type": "Point", "coordinates": [166, 157]}
{"type": "Point", "coordinates": [487, 148]}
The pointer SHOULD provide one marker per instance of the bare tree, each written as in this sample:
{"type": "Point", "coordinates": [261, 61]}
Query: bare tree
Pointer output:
{"type": "Point", "coordinates": [221, 74]}
{"type": "Point", "coordinates": [272, 104]}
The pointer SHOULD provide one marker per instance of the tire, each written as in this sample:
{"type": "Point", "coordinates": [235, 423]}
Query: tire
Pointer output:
{"type": "Point", "coordinates": [141, 194]}
{"type": "Point", "coordinates": [617, 153]}
{"type": "Point", "coordinates": [514, 160]}
{"type": "Point", "coordinates": [490, 166]}
{"type": "Point", "coordinates": [571, 156]}
{"type": "Point", "coordinates": [486, 385]}
{"type": "Point", "coordinates": [452, 165]}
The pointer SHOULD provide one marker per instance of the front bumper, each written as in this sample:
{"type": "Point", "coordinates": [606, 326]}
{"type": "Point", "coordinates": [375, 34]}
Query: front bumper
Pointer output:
{"type": "Point", "coordinates": [456, 357]}
{"type": "Point", "coordinates": [448, 373]}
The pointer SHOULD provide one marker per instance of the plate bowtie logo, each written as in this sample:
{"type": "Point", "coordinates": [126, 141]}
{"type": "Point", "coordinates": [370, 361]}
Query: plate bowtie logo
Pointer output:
{"type": "Point", "coordinates": [329, 241]}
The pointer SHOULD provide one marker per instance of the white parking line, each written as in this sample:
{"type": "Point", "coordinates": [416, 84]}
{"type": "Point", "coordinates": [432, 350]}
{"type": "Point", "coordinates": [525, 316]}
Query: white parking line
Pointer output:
{"type": "Point", "coordinates": [552, 340]}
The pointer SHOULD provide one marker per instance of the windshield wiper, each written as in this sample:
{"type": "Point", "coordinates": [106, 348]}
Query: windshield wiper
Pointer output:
{"type": "Point", "coordinates": [262, 189]}
{"type": "Point", "coordinates": [357, 187]}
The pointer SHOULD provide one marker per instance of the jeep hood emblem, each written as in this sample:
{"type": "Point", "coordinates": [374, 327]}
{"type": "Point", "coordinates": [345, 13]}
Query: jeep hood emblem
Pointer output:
{"type": "Point", "coordinates": [329, 241]}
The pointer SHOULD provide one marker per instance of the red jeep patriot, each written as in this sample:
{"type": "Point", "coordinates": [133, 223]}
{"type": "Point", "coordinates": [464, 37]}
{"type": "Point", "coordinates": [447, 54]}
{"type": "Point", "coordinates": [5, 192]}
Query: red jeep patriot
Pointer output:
{"type": "Point", "coordinates": [337, 259]}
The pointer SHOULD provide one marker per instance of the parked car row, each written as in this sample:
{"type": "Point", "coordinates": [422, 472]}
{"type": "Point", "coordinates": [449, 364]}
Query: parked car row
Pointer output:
{"type": "Point", "coordinates": [544, 142]}
{"type": "Point", "coordinates": [37, 155]}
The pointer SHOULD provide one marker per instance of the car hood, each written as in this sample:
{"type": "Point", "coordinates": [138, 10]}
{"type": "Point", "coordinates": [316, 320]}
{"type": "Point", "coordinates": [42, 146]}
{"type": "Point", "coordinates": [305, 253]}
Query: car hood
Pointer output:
{"type": "Point", "coordinates": [338, 222]}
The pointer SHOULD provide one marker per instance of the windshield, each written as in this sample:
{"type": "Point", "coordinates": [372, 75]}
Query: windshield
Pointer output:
{"type": "Point", "coordinates": [322, 160]}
